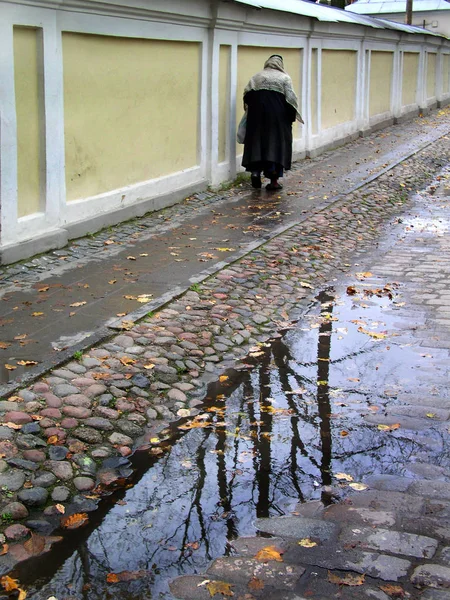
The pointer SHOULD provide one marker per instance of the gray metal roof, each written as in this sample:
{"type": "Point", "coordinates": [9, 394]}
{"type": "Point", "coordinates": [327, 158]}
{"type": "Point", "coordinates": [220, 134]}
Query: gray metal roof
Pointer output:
{"type": "Point", "coordinates": [336, 15]}
{"type": "Point", "coordinates": [371, 7]}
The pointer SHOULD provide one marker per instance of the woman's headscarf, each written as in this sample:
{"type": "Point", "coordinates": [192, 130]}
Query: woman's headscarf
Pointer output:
{"type": "Point", "coordinates": [274, 78]}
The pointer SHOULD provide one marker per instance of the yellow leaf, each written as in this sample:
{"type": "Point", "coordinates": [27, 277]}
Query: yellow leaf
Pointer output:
{"type": "Point", "coordinates": [26, 363]}
{"type": "Point", "coordinates": [131, 258]}
{"type": "Point", "coordinates": [373, 334]}
{"type": "Point", "coordinates": [307, 543]}
{"type": "Point", "coordinates": [112, 281]}
{"type": "Point", "coordinates": [149, 366]}
{"type": "Point", "coordinates": [223, 378]}
{"type": "Point", "coordinates": [359, 487]}
{"type": "Point", "coordinates": [363, 275]}
{"type": "Point", "coordinates": [4, 345]}
{"type": "Point", "coordinates": [224, 249]}
{"type": "Point", "coordinates": [154, 440]}
{"type": "Point", "coordinates": [78, 303]}
{"type": "Point", "coordinates": [144, 298]}
{"type": "Point", "coordinates": [11, 425]}
{"type": "Point", "coordinates": [431, 415]}
{"type": "Point", "coordinates": [127, 325]}
{"type": "Point", "coordinates": [109, 242]}
{"type": "Point", "coordinates": [389, 427]}
{"type": "Point", "coordinates": [306, 285]}
{"type": "Point", "coordinates": [9, 584]}
{"type": "Point", "coordinates": [269, 553]}
{"type": "Point", "coordinates": [343, 477]}
{"type": "Point", "coordinates": [60, 508]}
{"type": "Point", "coordinates": [143, 254]}
{"type": "Point", "coordinates": [130, 297]}
{"type": "Point", "coordinates": [347, 579]}
{"type": "Point", "coordinates": [10, 367]}
{"type": "Point", "coordinates": [74, 521]}
{"type": "Point", "coordinates": [343, 433]}
{"type": "Point", "coordinates": [44, 289]}
{"type": "Point", "coordinates": [22, 336]}
{"type": "Point", "coordinates": [37, 314]}
{"type": "Point", "coordinates": [219, 587]}
{"type": "Point", "coordinates": [127, 361]}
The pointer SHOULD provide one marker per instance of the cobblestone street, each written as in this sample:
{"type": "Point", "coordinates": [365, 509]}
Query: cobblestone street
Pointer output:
{"type": "Point", "coordinates": [67, 436]}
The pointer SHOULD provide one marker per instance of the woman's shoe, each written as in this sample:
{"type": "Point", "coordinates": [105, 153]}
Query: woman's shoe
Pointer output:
{"type": "Point", "coordinates": [274, 186]}
{"type": "Point", "coordinates": [256, 180]}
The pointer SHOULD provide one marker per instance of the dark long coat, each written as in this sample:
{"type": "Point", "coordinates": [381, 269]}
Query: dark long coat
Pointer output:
{"type": "Point", "coordinates": [268, 136]}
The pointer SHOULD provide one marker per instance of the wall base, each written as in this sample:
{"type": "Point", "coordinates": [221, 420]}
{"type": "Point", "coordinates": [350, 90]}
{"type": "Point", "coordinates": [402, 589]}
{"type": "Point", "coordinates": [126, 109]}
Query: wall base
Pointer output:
{"type": "Point", "coordinates": [58, 238]}
{"type": "Point", "coordinates": [331, 145]}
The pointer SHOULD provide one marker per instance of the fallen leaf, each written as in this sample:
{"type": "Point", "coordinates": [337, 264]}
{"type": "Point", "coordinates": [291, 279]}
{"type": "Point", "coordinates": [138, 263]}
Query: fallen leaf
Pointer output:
{"type": "Point", "coordinates": [125, 576]}
{"type": "Point", "coordinates": [219, 587]}
{"type": "Point", "coordinates": [127, 361]}
{"type": "Point", "coordinates": [22, 336]}
{"type": "Point", "coordinates": [352, 290]}
{"type": "Point", "coordinates": [37, 314]}
{"type": "Point", "coordinates": [109, 242]}
{"type": "Point", "coordinates": [389, 427]}
{"type": "Point", "coordinates": [4, 345]}
{"type": "Point", "coordinates": [144, 298]}
{"type": "Point", "coordinates": [269, 553]}
{"type": "Point", "coordinates": [35, 545]}
{"type": "Point", "coordinates": [131, 258]}
{"type": "Point", "coordinates": [10, 367]}
{"type": "Point", "coordinates": [74, 521]}
{"type": "Point", "coordinates": [347, 579]}
{"type": "Point", "coordinates": [307, 543]}
{"type": "Point", "coordinates": [4, 549]}
{"type": "Point", "coordinates": [60, 508]}
{"type": "Point", "coordinates": [343, 433]}
{"type": "Point", "coordinates": [395, 591]}
{"type": "Point", "coordinates": [112, 281]}
{"type": "Point", "coordinates": [120, 314]}
{"type": "Point", "coordinates": [26, 363]}
{"type": "Point", "coordinates": [373, 334]}
{"type": "Point", "coordinates": [255, 584]}
{"type": "Point", "coordinates": [431, 415]}
{"type": "Point", "coordinates": [343, 477]}
{"type": "Point", "coordinates": [306, 285]}
{"type": "Point", "coordinates": [223, 378]}
{"type": "Point", "coordinates": [127, 325]}
{"type": "Point", "coordinates": [225, 249]}
{"type": "Point", "coordinates": [363, 275]}
{"type": "Point", "coordinates": [9, 584]}
{"type": "Point", "coordinates": [53, 439]}
{"type": "Point", "coordinates": [149, 366]}
{"type": "Point", "coordinates": [353, 379]}
{"type": "Point", "coordinates": [360, 487]}
{"type": "Point", "coordinates": [11, 425]}
{"type": "Point", "coordinates": [44, 289]}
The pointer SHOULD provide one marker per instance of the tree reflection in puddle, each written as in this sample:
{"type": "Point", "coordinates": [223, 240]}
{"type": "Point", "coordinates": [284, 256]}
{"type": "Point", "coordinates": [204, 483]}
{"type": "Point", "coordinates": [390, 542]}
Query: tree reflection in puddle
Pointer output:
{"type": "Point", "coordinates": [274, 440]}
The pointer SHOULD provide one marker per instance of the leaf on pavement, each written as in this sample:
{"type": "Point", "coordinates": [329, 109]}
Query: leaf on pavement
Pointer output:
{"type": "Point", "coordinates": [35, 545]}
{"type": "Point", "coordinates": [127, 325]}
{"type": "Point", "coordinates": [131, 258]}
{"type": "Point", "coordinates": [223, 378]}
{"type": "Point", "coordinates": [11, 425]}
{"type": "Point", "coordinates": [352, 290]}
{"type": "Point", "coordinates": [255, 584]}
{"type": "Point", "coordinates": [9, 584]}
{"type": "Point", "coordinates": [4, 549]}
{"type": "Point", "coordinates": [347, 579]}
{"type": "Point", "coordinates": [431, 415]}
{"type": "Point", "coordinates": [37, 314]}
{"type": "Point", "coordinates": [269, 553]}
{"type": "Point", "coordinates": [219, 587]}
{"type": "Point", "coordinates": [389, 427]}
{"type": "Point", "coordinates": [144, 298]}
{"type": "Point", "coordinates": [26, 363]}
{"type": "Point", "coordinates": [304, 284]}
{"type": "Point", "coordinates": [44, 289]}
{"type": "Point", "coordinates": [372, 334]}
{"type": "Point", "coordinates": [395, 591]}
{"type": "Point", "coordinates": [53, 439]}
{"type": "Point", "coordinates": [125, 576]}
{"type": "Point", "coordinates": [4, 345]}
{"type": "Point", "coordinates": [307, 543]}
{"type": "Point", "coordinates": [78, 303]}
{"type": "Point", "coordinates": [10, 367]}
{"type": "Point", "coordinates": [74, 521]}
{"type": "Point", "coordinates": [343, 433]}
{"type": "Point", "coordinates": [127, 361]}
{"type": "Point", "coordinates": [359, 487]}
{"type": "Point", "coordinates": [363, 275]}
{"type": "Point", "coordinates": [343, 477]}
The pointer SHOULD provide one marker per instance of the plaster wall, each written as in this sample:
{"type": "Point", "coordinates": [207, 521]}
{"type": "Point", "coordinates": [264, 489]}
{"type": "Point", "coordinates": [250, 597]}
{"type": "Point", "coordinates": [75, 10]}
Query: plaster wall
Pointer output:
{"type": "Point", "coordinates": [338, 97]}
{"type": "Point", "coordinates": [381, 67]}
{"type": "Point", "coordinates": [431, 75]}
{"type": "Point", "coordinates": [409, 79]}
{"type": "Point", "coordinates": [131, 110]}
{"type": "Point", "coordinates": [27, 86]}
{"type": "Point", "coordinates": [224, 87]}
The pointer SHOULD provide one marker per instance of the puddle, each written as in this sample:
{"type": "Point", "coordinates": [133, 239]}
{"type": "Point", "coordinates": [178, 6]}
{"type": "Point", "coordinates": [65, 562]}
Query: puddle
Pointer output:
{"type": "Point", "coordinates": [268, 437]}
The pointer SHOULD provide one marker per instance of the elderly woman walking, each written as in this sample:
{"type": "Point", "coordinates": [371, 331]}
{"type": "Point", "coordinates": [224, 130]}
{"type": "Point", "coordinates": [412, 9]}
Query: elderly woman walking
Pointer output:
{"type": "Point", "coordinates": [272, 107]}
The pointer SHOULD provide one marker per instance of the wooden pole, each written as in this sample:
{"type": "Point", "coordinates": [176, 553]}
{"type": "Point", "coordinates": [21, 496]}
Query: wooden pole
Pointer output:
{"type": "Point", "coordinates": [409, 9]}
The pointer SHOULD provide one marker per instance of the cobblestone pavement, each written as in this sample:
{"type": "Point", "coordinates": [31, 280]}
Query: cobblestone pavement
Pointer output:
{"type": "Point", "coordinates": [388, 535]}
{"type": "Point", "coordinates": [65, 439]}
{"type": "Point", "coordinates": [63, 301]}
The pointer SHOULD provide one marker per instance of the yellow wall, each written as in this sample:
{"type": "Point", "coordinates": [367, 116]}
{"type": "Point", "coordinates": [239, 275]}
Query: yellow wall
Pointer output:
{"type": "Point", "coordinates": [27, 82]}
{"type": "Point", "coordinates": [338, 87]}
{"type": "Point", "coordinates": [251, 60]}
{"type": "Point", "coordinates": [131, 110]}
{"type": "Point", "coordinates": [409, 81]}
{"type": "Point", "coordinates": [431, 75]}
{"type": "Point", "coordinates": [314, 90]}
{"type": "Point", "coordinates": [224, 103]}
{"type": "Point", "coordinates": [445, 72]}
{"type": "Point", "coordinates": [381, 65]}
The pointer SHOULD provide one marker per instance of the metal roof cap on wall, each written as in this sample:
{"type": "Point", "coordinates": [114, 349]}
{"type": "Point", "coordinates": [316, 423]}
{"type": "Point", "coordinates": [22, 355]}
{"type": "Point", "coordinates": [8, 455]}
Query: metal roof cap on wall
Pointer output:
{"type": "Point", "coordinates": [331, 14]}
{"type": "Point", "coordinates": [370, 7]}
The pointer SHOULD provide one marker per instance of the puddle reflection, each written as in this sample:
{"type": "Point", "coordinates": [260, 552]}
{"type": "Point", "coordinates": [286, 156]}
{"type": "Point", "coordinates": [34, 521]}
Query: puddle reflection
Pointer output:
{"type": "Point", "coordinates": [273, 439]}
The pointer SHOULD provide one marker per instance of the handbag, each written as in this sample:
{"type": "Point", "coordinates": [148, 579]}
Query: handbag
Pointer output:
{"type": "Point", "coordinates": [242, 129]}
